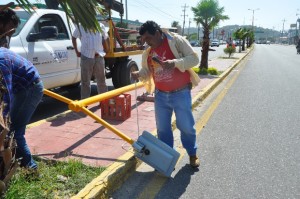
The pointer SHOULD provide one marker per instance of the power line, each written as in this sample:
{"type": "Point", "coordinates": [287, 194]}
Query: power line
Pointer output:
{"type": "Point", "coordinates": [160, 9]}
{"type": "Point", "coordinates": [155, 9]}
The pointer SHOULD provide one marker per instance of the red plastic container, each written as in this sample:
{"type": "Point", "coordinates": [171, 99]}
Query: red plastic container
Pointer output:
{"type": "Point", "coordinates": [116, 108]}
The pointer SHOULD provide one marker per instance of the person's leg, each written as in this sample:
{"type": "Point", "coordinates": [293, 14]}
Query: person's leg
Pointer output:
{"type": "Point", "coordinates": [99, 72]}
{"type": "Point", "coordinates": [181, 102]}
{"type": "Point", "coordinates": [163, 114]}
{"type": "Point", "coordinates": [86, 65]}
{"type": "Point", "coordinates": [23, 106]}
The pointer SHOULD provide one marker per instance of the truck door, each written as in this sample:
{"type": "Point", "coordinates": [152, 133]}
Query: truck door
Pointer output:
{"type": "Point", "coordinates": [54, 58]}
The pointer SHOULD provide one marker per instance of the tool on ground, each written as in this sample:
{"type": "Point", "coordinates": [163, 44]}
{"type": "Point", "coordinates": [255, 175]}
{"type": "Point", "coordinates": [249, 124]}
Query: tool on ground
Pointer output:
{"type": "Point", "coordinates": [147, 148]}
{"type": "Point", "coordinates": [156, 153]}
{"type": "Point", "coordinates": [146, 97]}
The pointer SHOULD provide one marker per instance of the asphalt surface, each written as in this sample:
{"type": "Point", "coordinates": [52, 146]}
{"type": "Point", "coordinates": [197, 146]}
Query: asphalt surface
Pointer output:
{"type": "Point", "coordinates": [250, 141]}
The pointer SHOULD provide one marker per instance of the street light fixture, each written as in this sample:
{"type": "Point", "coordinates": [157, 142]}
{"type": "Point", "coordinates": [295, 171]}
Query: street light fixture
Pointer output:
{"type": "Point", "coordinates": [298, 21]}
{"type": "Point", "coordinates": [253, 10]}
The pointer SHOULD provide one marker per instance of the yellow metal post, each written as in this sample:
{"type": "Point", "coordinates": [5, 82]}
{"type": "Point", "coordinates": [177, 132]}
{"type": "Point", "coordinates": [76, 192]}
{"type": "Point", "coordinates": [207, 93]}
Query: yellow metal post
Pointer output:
{"type": "Point", "coordinates": [80, 106]}
{"type": "Point", "coordinates": [77, 105]}
{"type": "Point", "coordinates": [107, 125]}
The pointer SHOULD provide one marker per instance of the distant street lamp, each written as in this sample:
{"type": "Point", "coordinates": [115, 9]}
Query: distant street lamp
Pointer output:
{"type": "Point", "coordinates": [298, 21]}
{"type": "Point", "coordinates": [253, 10]}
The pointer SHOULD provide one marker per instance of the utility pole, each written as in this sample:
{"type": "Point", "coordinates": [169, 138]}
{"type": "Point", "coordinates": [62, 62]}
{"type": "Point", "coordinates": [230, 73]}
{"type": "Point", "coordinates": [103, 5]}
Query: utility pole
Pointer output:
{"type": "Point", "coordinates": [253, 10]}
{"type": "Point", "coordinates": [184, 15]}
{"type": "Point", "coordinates": [189, 29]}
{"type": "Point", "coordinates": [298, 21]}
{"type": "Point", "coordinates": [273, 30]}
{"type": "Point", "coordinates": [283, 26]}
{"type": "Point", "coordinates": [199, 32]}
{"type": "Point", "coordinates": [126, 10]}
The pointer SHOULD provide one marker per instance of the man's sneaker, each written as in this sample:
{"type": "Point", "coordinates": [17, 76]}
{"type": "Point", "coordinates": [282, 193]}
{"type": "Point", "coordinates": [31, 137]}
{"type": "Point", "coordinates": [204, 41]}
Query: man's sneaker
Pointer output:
{"type": "Point", "coordinates": [194, 161]}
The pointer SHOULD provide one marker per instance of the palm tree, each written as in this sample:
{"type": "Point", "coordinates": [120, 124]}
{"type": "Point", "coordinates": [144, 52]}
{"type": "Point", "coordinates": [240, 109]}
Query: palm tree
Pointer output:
{"type": "Point", "coordinates": [250, 38]}
{"type": "Point", "coordinates": [175, 24]}
{"type": "Point", "coordinates": [246, 38]}
{"type": "Point", "coordinates": [82, 11]}
{"type": "Point", "coordinates": [208, 14]}
{"type": "Point", "coordinates": [239, 35]}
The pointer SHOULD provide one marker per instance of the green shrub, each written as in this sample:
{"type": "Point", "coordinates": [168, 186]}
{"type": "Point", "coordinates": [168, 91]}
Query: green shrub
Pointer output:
{"type": "Point", "coordinates": [196, 69]}
{"type": "Point", "coordinates": [203, 71]}
{"type": "Point", "coordinates": [212, 71]}
{"type": "Point", "coordinates": [230, 50]}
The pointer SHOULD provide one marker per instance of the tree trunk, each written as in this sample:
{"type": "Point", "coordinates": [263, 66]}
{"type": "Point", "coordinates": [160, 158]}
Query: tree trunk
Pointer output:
{"type": "Point", "coordinates": [205, 49]}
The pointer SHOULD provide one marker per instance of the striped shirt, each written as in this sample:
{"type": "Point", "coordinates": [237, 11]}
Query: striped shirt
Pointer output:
{"type": "Point", "coordinates": [91, 43]}
{"type": "Point", "coordinates": [17, 73]}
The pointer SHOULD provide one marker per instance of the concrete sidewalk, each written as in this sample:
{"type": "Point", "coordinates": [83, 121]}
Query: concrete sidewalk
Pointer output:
{"type": "Point", "coordinates": [75, 135]}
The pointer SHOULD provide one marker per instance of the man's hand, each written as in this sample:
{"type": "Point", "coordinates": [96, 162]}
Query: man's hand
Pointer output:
{"type": "Point", "coordinates": [168, 64]}
{"type": "Point", "coordinates": [135, 75]}
{"type": "Point", "coordinates": [78, 54]}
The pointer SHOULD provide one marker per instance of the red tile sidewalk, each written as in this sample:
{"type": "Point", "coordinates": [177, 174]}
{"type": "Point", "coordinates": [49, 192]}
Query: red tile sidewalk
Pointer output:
{"type": "Point", "coordinates": [74, 135]}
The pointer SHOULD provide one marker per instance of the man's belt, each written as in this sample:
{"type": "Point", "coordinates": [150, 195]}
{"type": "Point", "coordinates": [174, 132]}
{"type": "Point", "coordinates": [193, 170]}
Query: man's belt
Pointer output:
{"type": "Point", "coordinates": [189, 86]}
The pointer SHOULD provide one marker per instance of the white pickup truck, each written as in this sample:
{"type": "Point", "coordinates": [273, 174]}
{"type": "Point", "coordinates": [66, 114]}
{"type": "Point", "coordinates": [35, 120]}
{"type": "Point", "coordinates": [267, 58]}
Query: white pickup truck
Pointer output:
{"type": "Point", "coordinates": [44, 38]}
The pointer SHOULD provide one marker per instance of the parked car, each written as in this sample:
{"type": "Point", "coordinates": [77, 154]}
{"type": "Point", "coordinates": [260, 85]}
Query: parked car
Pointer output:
{"type": "Point", "coordinates": [215, 42]}
{"type": "Point", "coordinates": [236, 42]}
{"type": "Point", "coordinates": [194, 43]}
{"type": "Point", "coordinates": [222, 42]}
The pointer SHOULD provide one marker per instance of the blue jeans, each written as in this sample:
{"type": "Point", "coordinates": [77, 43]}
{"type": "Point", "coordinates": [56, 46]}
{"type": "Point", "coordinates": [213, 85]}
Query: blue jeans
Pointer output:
{"type": "Point", "coordinates": [181, 103]}
{"type": "Point", "coordinates": [23, 106]}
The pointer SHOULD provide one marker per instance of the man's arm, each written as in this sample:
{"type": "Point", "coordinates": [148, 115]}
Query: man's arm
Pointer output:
{"type": "Point", "coordinates": [188, 58]}
{"type": "Point", "coordinates": [106, 46]}
{"type": "Point", "coordinates": [5, 88]}
{"type": "Point", "coordinates": [74, 42]}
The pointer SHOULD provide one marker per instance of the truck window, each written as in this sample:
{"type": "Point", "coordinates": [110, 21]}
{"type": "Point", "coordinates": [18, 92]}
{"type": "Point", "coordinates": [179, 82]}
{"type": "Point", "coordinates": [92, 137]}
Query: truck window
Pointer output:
{"type": "Point", "coordinates": [51, 20]}
{"type": "Point", "coordinates": [24, 16]}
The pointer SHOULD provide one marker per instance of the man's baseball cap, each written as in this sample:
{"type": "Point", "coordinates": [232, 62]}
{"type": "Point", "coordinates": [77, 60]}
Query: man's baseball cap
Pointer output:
{"type": "Point", "coordinates": [3, 7]}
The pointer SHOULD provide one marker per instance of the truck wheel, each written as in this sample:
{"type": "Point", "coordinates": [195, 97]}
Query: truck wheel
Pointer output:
{"type": "Point", "coordinates": [116, 76]}
{"type": "Point", "coordinates": [125, 75]}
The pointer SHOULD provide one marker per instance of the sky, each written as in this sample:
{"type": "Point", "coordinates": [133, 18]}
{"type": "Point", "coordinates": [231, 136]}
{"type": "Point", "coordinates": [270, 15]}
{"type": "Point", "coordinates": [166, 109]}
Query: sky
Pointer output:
{"type": "Point", "coordinates": [267, 13]}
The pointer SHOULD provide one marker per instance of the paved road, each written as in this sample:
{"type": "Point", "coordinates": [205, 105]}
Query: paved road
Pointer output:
{"type": "Point", "coordinates": [250, 145]}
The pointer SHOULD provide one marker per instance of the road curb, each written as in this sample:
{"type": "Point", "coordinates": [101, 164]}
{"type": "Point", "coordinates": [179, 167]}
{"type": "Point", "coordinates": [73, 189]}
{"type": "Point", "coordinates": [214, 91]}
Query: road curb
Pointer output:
{"type": "Point", "coordinates": [118, 172]}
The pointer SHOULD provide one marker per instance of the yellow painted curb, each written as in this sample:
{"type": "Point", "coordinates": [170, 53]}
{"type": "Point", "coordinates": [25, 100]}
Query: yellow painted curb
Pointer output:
{"type": "Point", "coordinates": [111, 178]}
{"type": "Point", "coordinates": [35, 124]}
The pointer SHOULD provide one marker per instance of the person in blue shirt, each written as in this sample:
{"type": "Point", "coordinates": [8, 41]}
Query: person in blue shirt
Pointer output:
{"type": "Point", "coordinates": [23, 90]}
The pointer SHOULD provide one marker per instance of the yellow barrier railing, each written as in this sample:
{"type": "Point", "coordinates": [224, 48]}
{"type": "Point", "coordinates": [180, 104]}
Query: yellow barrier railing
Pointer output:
{"type": "Point", "coordinates": [80, 106]}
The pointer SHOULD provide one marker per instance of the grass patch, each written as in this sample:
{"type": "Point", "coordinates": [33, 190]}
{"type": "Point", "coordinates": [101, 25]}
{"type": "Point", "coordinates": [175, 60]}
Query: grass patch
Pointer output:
{"type": "Point", "coordinates": [53, 180]}
{"type": "Point", "coordinates": [204, 71]}
{"type": "Point", "coordinates": [212, 71]}
{"type": "Point", "coordinates": [229, 57]}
